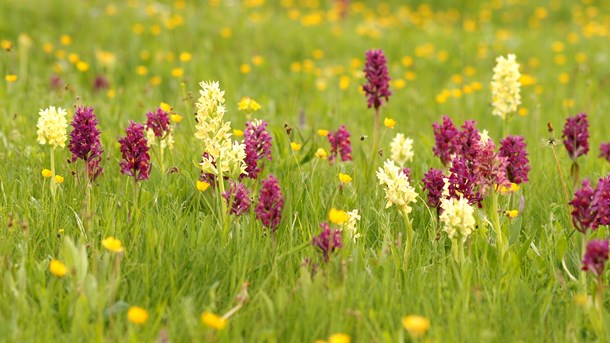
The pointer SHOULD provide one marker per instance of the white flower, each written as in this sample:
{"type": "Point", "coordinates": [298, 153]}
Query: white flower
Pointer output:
{"type": "Point", "coordinates": [52, 126]}
{"type": "Point", "coordinates": [457, 218]}
{"type": "Point", "coordinates": [351, 223]}
{"type": "Point", "coordinates": [505, 87]}
{"type": "Point", "coordinates": [398, 190]}
{"type": "Point", "coordinates": [401, 149]}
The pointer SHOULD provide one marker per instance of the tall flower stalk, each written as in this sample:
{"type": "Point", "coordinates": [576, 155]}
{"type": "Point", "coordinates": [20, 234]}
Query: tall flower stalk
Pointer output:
{"type": "Point", "coordinates": [159, 133]}
{"type": "Point", "coordinates": [52, 125]}
{"type": "Point", "coordinates": [506, 88]}
{"type": "Point", "coordinates": [135, 158]}
{"type": "Point", "coordinates": [377, 88]}
{"type": "Point", "coordinates": [576, 141]}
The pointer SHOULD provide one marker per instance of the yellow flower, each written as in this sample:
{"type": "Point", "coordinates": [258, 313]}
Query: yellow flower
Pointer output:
{"type": "Point", "coordinates": [345, 178]}
{"type": "Point", "coordinates": [322, 132]}
{"type": "Point", "coordinates": [248, 104]}
{"type": "Point", "coordinates": [165, 107]}
{"type": "Point", "coordinates": [512, 213]}
{"type": "Point", "coordinates": [213, 321]}
{"type": "Point", "coordinates": [82, 66]}
{"type": "Point", "coordinates": [11, 78]}
{"type": "Point", "coordinates": [245, 68]}
{"type": "Point", "coordinates": [46, 173]}
{"type": "Point", "coordinates": [238, 133]}
{"type": "Point", "coordinates": [185, 57]}
{"type": "Point", "coordinates": [65, 40]}
{"type": "Point", "coordinates": [57, 268]}
{"type": "Point", "coordinates": [52, 125]}
{"type": "Point", "coordinates": [339, 338]}
{"type": "Point", "coordinates": [338, 217]}
{"type": "Point", "coordinates": [416, 325]}
{"type": "Point", "coordinates": [295, 146]}
{"type": "Point", "coordinates": [202, 186]}
{"type": "Point", "coordinates": [176, 118]}
{"type": "Point", "coordinates": [59, 179]}
{"type": "Point", "coordinates": [113, 244]}
{"type": "Point", "coordinates": [137, 315]}
{"type": "Point", "coordinates": [177, 72]}
{"type": "Point", "coordinates": [389, 123]}
{"type": "Point", "coordinates": [511, 189]}
{"type": "Point", "coordinates": [321, 154]}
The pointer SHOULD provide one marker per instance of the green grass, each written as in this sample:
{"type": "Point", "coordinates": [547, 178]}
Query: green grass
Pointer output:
{"type": "Point", "coordinates": [177, 261]}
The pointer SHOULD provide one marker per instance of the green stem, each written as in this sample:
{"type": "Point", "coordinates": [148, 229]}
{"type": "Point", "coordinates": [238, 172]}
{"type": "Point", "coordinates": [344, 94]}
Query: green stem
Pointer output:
{"type": "Point", "coordinates": [53, 181]}
{"type": "Point", "coordinates": [409, 242]}
{"type": "Point", "coordinates": [375, 138]}
{"type": "Point", "coordinates": [495, 220]}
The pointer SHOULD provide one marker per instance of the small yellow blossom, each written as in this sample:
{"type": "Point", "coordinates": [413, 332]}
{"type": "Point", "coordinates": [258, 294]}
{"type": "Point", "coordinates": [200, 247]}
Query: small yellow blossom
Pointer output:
{"type": "Point", "coordinates": [185, 56]}
{"type": "Point", "coordinates": [213, 321]}
{"type": "Point", "coordinates": [245, 68]}
{"type": "Point", "coordinates": [82, 66]}
{"type": "Point", "coordinates": [338, 217]}
{"type": "Point", "coordinates": [176, 118]}
{"type": "Point", "coordinates": [295, 146]}
{"type": "Point", "coordinates": [417, 326]}
{"type": "Point", "coordinates": [226, 32]}
{"type": "Point", "coordinates": [177, 72]}
{"type": "Point", "coordinates": [389, 123]}
{"type": "Point", "coordinates": [59, 179]}
{"type": "Point", "coordinates": [322, 132]}
{"type": "Point", "coordinates": [46, 173]}
{"type": "Point", "coordinates": [65, 40]}
{"type": "Point", "coordinates": [141, 70]}
{"type": "Point", "coordinates": [248, 104]}
{"type": "Point", "coordinates": [345, 178]}
{"type": "Point", "coordinates": [238, 133]}
{"type": "Point", "coordinates": [321, 154]}
{"type": "Point", "coordinates": [339, 338]}
{"type": "Point", "coordinates": [202, 185]}
{"type": "Point", "coordinates": [507, 190]}
{"type": "Point", "coordinates": [113, 244]}
{"type": "Point", "coordinates": [257, 60]}
{"type": "Point", "coordinates": [6, 45]}
{"type": "Point", "coordinates": [564, 78]}
{"type": "Point", "coordinates": [11, 78]}
{"type": "Point", "coordinates": [512, 213]}
{"type": "Point", "coordinates": [165, 107]}
{"type": "Point", "coordinates": [57, 268]}
{"type": "Point", "coordinates": [137, 315]}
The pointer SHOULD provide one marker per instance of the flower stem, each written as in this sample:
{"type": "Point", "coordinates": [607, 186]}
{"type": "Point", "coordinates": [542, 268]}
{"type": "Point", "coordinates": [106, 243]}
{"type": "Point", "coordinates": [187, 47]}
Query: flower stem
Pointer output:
{"type": "Point", "coordinates": [375, 137]}
{"type": "Point", "coordinates": [409, 242]}
{"type": "Point", "coordinates": [563, 182]}
{"type": "Point", "coordinates": [495, 220]}
{"type": "Point", "coordinates": [53, 181]}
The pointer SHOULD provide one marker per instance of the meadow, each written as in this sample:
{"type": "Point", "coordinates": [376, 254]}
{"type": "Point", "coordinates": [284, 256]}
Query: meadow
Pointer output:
{"type": "Point", "coordinates": [173, 241]}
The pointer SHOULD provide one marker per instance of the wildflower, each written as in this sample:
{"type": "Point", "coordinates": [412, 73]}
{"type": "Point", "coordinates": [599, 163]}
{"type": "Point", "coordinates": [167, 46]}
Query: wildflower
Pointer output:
{"type": "Point", "coordinates": [176, 118]}
{"type": "Point", "coordinates": [112, 244]}
{"type": "Point", "coordinates": [100, 83]}
{"type": "Point", "coordinates": [505, 86]}
{"type": "Point", "coordinates": [321, 154]}
{"type": "Point", "coordinates": [398, 189]}
{"type": "Point", "coordinates": [576, 135]}
{"type": "Point", "coordinates": [10, 78]}
{"type": "Point", "coordinates": [257, 146]}
{"type": "Point", "coordinates": [504, 190]}
{"type": "Point", "coordinates": [339, 338]}
{"type": "Point", "coordinates": [596, 256]}
{"type": "Point", "coordinates": [248, 104]}
{"type": "Point", "coordinates": [445, 135]}
{"type": "Point", "coordinates": [490, 168]}
{"type": "Point", "coordinates": [511, 213]}
{"type": "Point", "coordinates": [340, 144]}
{"type": "Point", "coordinates": [463, 183]}
{"type": "Point", "coordinates": [352, 222]}
{"type": "Point", "coordinates": [338, 217]}
{"type": "Point", "coordinates": [376, 73]}
{"type": "Point", "coordinates": [434, 183]}
{"type": "Point", "coordinates": [457, 218]}
{"type": "Point", "coordinates": [202, 185]}
{"type": "Point", "coordinates": [158, 122]}
{"type": "Point", "coordinates": [389, 123]}
{"type": "Point", "coordinates": [513, 148]}
{"type": "Point", "coordinates": [401, 149]}
{"type": "Point", "coordinates": [322, 132]}
{"type": "Point", "coordinates": [238, 133]}
{"type": "Point", "coordinates": [270, 203]}
{"type": "Point", "coordinates": [213, 321]}
{"type": "Point", "coordinates": [328, 241]}
{"type": "Point", "coordinates": [137, 315]}
{"type": "Point", "coordinates": [46, 173]}
{"type": "Point", "coordinates": [134, 151]}
{"type": "Point", "coordinates": [59, 179]}
{"type": "Point", "coordinates": [57, 268]}
{"type": "Point", "coordinates": [52, 125]}
{"type": "Point", "coordinates": [345, 178]}
{"type": "Point", "coordinates": [85, 141]}
{"type": "Point", "coordinates": [582, 216]}
{"type": "Point", "coordinates": [468, 141]}
{"type": "Point", "coordinates": [239, 198]}
{"type": "Point", "coordinates": [604, 151]}
{"type": "Point", "coordinates": [417, 326]}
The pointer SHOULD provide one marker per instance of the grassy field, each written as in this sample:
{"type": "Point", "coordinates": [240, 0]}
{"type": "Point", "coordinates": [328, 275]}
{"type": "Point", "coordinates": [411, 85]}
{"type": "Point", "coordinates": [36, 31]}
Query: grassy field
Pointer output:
{"type": "Point", "coordinates": [302, 61]}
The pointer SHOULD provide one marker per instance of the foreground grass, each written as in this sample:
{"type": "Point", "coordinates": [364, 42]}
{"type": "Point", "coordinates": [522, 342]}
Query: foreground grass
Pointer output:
{"type": "Point", "coordinates": [177, 261]}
